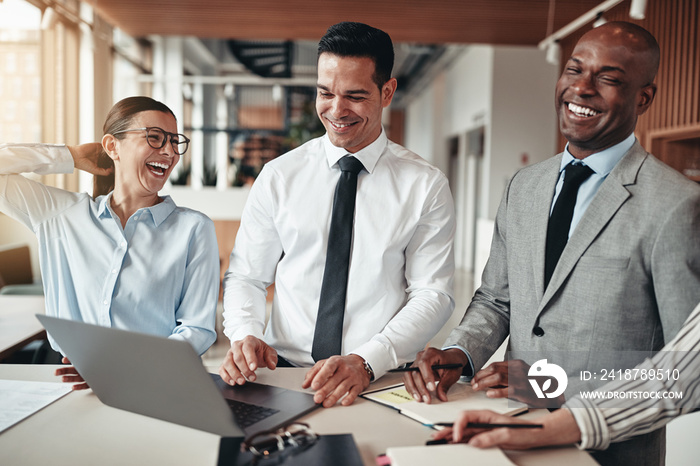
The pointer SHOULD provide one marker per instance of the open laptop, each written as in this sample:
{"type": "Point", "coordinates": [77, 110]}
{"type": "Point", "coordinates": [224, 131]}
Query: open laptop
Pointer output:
{"type": "Point", "coordinates": [165, 379]}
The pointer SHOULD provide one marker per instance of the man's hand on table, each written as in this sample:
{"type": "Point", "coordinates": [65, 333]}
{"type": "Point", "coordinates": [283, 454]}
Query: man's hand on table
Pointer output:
{"type": "Point", "coordinates": [336, 377]}
{"type": "Point", "coordinates": [423, 384]}
{"type": "Point", "coordinates": [243, 359]}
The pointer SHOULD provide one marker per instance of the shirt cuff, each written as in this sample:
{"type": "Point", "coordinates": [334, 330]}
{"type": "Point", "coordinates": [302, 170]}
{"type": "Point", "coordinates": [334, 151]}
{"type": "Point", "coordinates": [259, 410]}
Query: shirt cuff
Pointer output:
{"type": "Point", "coordinates": [239, 332]}
{"type": "Point", "coordinates": [64, 159]}
{"type": "Point", "coordinates": [595, 434]}
{"type": "Point", "coordinates": [379, 358]}
{"type": "Point", "coordinates": [467, 371]}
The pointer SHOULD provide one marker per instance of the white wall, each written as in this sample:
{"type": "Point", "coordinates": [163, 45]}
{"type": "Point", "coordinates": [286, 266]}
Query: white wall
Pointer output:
{"type": "Point", "coordinates": [216, 204]}
{"type": "Point", "coordinates": [523, 119]}
{"type": "Point", "coordinates": [460, 95]}
{"type": "Point", "coordinates": [509, 92]}
{"type": "Point", "coordinates": [469, 87]}
{"type": "Point", "coordinates": [420, 132]}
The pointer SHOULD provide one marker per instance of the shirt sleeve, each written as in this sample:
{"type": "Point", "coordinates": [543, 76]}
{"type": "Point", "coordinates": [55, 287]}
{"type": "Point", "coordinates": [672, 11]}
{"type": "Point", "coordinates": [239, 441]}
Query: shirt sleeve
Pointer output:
{"type": "Point", "coordinates": [648, 402]}
{"type": "Point", "coordinates": [675, 266]}
{"type": "Point", "coordinates": [196, 314]}
{"type": "Point", "coordinates": [429, 270]}
{"type": "Point", "coordinates": [25, 200]}
{"type": "Point", "coordinates": [252, 265]}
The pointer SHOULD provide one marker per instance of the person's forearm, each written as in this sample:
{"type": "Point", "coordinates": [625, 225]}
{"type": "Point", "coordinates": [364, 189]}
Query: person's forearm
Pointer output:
{"type": "Point", "coordinates": [244, 308]}
{"type": "Point", "coordinates": [35, 158]}
{"type": "Point", "coordinates": [560, 428]}
{"type": "Point", "coordinates": [25, 200]}
{"type": "Point", "coordinates": [201, 339]}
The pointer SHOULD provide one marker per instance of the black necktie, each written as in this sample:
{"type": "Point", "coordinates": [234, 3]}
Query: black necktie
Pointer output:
{"type": "Point", "coordinates": [560, 220]}
{"type": "Point", "coordinates": [331, 308]}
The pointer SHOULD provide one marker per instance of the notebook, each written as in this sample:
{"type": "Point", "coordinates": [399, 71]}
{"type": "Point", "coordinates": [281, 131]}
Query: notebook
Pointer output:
{"type": "Point", "coordinates": [165, 379]}
{"type": "Point", "coordinates": [460, 397]}
{"type": "Point", "coordinates": [459, 453]}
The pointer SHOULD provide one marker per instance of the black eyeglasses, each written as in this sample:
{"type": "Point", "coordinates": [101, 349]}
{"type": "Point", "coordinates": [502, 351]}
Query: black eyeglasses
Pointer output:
{"type": "Point", "coordinates": [272, 444]}
{"type": "Point", "coordinates": [157, 137]}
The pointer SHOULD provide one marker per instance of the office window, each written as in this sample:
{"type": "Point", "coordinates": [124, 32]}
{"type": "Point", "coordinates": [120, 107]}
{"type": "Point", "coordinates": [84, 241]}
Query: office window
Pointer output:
{"type": "Point", "coordinates": [31, 65]}
{"type": "Point", "coordinates": [20, 74]}
{"type": "Point", "coordinates": [11, 63]}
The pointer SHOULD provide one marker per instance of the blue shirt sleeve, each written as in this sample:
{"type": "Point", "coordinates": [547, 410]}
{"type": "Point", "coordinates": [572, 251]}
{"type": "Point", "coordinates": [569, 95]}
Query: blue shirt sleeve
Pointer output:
{"type": "Point", "coordinates": [196, 314]}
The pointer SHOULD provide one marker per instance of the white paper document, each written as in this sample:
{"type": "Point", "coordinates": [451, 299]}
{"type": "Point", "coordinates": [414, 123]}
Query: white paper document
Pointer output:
{"type": "Point", "coordinates": [20, 399]}
{"type": "Point", "coordinates": [459, 453]}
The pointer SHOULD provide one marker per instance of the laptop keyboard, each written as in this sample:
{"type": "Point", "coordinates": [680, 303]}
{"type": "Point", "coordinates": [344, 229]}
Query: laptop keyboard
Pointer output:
{"type": "Point", "coordinates": [247, 414]}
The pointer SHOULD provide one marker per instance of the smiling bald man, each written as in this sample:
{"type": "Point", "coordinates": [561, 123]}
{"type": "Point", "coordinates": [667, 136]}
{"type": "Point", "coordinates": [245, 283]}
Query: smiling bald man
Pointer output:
{"type": "Point", "coordinates": [629, 271]}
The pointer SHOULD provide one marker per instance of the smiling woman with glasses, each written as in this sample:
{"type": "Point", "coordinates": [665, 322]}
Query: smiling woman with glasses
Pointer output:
{"type": "Point", "coordinates": [129, 258]}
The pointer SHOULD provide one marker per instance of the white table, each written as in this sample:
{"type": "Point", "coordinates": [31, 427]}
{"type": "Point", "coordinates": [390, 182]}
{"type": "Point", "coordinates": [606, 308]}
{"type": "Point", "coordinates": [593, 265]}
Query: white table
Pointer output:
{"type": "Point", "coordinates": [78, 429]}
{"type": "Point", "coordinates": [18, 324]}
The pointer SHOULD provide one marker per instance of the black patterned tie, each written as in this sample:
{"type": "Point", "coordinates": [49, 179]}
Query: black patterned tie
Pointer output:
{"type": "Point", "coordinates": [331, 308]}
{"type": "Point", "coordinates": [560, 220]}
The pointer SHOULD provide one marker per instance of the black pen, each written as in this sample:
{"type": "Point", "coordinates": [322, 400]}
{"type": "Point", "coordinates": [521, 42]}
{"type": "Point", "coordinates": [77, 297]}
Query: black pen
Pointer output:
{"type": "Point", "coordinates": [488, 425]}
{"type": "Point", "coordinates": [434, 367]}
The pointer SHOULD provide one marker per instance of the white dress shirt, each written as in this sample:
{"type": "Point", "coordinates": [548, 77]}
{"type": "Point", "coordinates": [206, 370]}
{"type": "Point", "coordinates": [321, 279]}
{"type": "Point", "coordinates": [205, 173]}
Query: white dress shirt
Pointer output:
{"type": "Point", "coordinates": [401, 266]}
{"type": "Point", "coordinates": [614, 420]}
{"type": "Point", "coordinates": [158, 275]}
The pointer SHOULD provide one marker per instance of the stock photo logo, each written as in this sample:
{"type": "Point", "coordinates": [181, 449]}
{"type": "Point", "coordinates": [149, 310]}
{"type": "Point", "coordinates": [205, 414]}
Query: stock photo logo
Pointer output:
{"type": "Point", "coordinates": [540, 376]}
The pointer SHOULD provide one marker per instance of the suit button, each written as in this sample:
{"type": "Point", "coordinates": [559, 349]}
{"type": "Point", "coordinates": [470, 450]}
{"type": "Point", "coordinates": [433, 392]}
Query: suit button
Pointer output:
{"type": "Point", "coordinates": [538, 331]}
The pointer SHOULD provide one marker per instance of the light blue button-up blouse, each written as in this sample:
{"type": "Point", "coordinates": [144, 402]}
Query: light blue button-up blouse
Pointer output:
{"type": "Point", "coordinates": [158, 275]}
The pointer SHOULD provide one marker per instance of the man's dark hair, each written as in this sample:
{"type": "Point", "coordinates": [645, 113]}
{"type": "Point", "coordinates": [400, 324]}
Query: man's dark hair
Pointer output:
{"type": "Point", "coordinates": [349, 39]}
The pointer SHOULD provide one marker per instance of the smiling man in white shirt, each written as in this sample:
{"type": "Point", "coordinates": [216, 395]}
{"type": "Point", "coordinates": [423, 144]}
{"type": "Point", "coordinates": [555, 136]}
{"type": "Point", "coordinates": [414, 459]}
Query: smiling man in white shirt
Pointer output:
{"type": "Point", "coordinates": [401, 263]}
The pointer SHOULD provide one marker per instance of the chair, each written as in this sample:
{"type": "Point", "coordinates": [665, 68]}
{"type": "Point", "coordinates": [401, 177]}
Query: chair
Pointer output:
{"type": "Point", "coordinates": [35, 289]}
{"type": "Point", "coordinates": [15, 265]}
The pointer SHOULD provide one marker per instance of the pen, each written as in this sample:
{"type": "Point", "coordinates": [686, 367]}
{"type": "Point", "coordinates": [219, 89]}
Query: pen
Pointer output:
{"type": "Point", "coordinates": [487, 425]}
{"type": "Point", "coordinates": [434, 367]}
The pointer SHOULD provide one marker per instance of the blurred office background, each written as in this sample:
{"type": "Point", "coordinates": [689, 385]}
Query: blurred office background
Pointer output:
{"type": "Point", "coordinates": [475, 94]}
{"type": "Point", "coordinates": [475, 97]}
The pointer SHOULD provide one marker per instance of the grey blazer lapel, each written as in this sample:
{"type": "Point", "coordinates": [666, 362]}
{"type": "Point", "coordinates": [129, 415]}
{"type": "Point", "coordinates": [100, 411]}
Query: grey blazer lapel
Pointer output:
{"type": "Point", "coordinates": [607, 201]}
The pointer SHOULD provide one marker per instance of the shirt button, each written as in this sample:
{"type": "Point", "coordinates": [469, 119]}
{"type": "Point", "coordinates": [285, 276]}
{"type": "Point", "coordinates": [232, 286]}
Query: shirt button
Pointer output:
{"type": "Point", "coordinates": [114, 270]}
{"type": "Point", "coordinates": [105, 302]}
{"type": "Point", "coordinates": [538, 331]}
{"type": "Point", "coordinates": [123, 245]}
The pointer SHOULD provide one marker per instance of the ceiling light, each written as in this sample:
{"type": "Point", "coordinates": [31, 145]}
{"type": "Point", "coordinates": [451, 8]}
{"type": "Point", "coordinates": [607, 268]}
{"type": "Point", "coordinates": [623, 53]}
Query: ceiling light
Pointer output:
{"type": "Point", "coordinates": [48, 19]}
{"type": "Point", "coordinates": [599, 20]}
{"type": "Point", "coordinates": [553, 53]}
{"type": "Point", "coordinates": [638, 8]}
{"type": "Point", "coordinates": [277, 93]}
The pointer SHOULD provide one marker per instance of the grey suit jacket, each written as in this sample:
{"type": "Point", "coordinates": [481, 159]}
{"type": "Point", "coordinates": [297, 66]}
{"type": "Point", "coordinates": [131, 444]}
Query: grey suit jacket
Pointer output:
{"type": "Point", "coordinates": [627, 279]}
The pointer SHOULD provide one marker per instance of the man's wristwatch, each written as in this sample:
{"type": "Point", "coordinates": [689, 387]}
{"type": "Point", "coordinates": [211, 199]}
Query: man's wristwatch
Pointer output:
{"type": "Point", "coordinates": [369, 370]}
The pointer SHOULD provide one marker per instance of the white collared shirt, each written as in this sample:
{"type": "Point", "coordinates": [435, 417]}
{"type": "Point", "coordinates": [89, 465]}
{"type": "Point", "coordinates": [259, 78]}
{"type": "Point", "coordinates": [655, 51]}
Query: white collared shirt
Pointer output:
{"type": "Point", "coordinates": [401, 267]}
